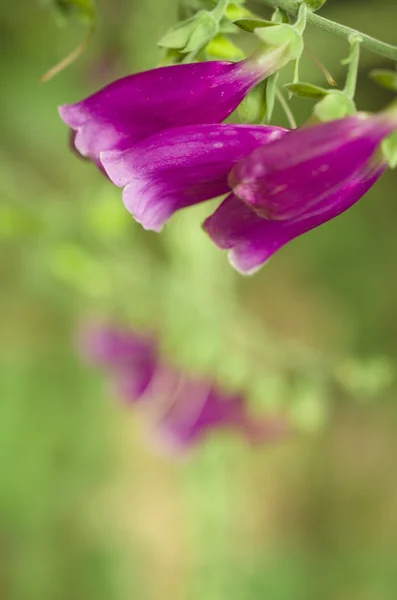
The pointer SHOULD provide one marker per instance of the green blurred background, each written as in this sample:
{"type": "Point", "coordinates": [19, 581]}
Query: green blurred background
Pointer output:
{"type": "Point", "coordinates": [88, 509]}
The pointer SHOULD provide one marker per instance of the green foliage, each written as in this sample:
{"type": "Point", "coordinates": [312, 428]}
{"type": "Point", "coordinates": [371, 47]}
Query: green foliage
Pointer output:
{"type": "Point", "coordinates": [306, 90]}
{"type": "Point", "coordinates": [192, 34]}
{"type": "Point", "coordinates": [250, 24]}
{"type": "Point", "coordinates": [385, 78]}
{"type": "Point", "coordinates": [335, 105]}
{"type": "Point", "coordinates": [254, 107]}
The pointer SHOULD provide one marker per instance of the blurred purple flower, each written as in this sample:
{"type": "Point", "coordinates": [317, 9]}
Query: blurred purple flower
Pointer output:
{"type": "Point", "coordinates": [181, 166]}
{"type": "Point", "coordinates": [297, 183]}
{"type": "Point", "coordinates": [135, 107]}
{"type": "Point", "coordinates": [180, 409]}
{"type": "Point", "coordinates": [131, 358]}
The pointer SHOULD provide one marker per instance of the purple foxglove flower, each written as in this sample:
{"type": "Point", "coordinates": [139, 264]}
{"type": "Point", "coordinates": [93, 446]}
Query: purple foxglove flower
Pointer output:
{"type": "Point", "coordinates": [181, 166]}
{"type": "Point", "coordinates": [191, 408]}
{"type": "Point", "coordinates": [179, 409]}
{"type": "Point", "coordinates": [131, 358]}
{"type": "Point", "coordinates": [135, 107]}
{"type": "Point", "coordinates": [297, 183]}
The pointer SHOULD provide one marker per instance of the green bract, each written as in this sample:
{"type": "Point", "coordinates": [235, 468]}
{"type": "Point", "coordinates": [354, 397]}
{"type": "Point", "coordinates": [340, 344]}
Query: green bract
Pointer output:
{"type": "Point", "coordinates": [335, 105]}
{"type": "Point", "coordinates": [250, 24]}
{"type": "Point", "coordinates": [284, 37]}
{"type": "Point", "coordinates": [192, 34]}
{"type": "Point", "coordinates": [306, 90]}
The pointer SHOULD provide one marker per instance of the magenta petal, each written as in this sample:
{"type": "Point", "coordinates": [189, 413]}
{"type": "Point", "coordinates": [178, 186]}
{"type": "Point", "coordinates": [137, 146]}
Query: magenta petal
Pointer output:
{"type": "Point", "coordinates": [252, 240]}
{"type": "Point", "coordinates": [130, 358]}
{"type": "Point", "coordinates": [296, 175]}
{"type": "Point", "coordinates": [197, 407]}
{"type": "Point", "coordinates": [180, 167]}
{"type": "Point", "coordinates": [137, 106]}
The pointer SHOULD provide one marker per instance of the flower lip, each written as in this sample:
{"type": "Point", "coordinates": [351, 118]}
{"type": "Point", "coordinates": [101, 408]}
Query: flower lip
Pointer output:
{"type": "Point", "coordinates": [294, 176]}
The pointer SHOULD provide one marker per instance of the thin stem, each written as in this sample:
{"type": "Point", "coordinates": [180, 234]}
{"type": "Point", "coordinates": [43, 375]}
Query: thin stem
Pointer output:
{"type": "Point", "coordinates": [322, 67]}
{"type": "Point", "coordinates": [353, 61]}
{"type": "Point", "coordinates": [69, 59]}
{"type": "Point", "coordinates": [286, 109]}
{"type": "Point", "coordinates": [220, 9]}
{"type": "Point", "coordinates": [369, 43]}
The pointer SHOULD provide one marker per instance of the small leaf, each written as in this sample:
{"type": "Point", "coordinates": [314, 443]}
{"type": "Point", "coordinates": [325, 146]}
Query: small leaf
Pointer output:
{"type": "Point", "coordinates": [191, 35]}
{"type": "Point", "coordinates": [178, 36]}
{"type": "Point", "coordinates": [306, 90]}
{"type": "Point", "coordinates": [206, 28]}
{"type": "Point", "coordinates": [251, 24]}
{"type": "Point", "coordinates": [386, 78]}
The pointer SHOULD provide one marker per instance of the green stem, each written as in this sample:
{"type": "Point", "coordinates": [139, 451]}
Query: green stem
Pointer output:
{"type": "Point", "coordinates": [286, 109]}
{"type": "Point", "coordinates": [353, 61]}
{"type": "Point", "coordinates": [369, 43]}
{"type": "Point", "coordinates": [220, 9]}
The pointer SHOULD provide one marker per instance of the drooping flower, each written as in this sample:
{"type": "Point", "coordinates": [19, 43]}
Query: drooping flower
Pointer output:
{"type": "Point", "coordinates": [179, 409]}
{"type": "Point", "coordinates": [122, 353]}
{"type": "Point", "coordinates": [297, 183]}
{"type": "Point", "coordinates": [137, 106]}
{"type": "Point", "coordinates": [181, 166]}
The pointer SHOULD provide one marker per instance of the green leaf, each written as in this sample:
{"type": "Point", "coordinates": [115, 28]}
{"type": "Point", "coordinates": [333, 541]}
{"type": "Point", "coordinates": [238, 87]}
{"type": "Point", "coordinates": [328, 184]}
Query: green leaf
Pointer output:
{"type": "Point", "coordinates": [386, 78]}
{"type": "Point", "coordinates": [192, 34]}
{"type": "Point", "coordinates": [306, 90]}
{"type": "Point", "coordinates": [178, 36]}
{"type": "Point", "coordinates": [206, 28]}
{"type": "Point", "coordinates": [251, 24]}
{"type": "Point", "coordinates": [389, 149]}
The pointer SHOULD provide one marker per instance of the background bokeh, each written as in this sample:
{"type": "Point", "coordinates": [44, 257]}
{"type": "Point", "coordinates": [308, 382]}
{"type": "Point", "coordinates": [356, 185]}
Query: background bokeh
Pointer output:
{"type": "Point", "coordinates": [89, 508]}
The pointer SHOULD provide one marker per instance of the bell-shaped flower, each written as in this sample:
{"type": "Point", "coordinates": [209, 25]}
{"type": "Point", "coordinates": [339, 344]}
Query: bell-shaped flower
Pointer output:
{"type": "Point", "coordinates": [296, 183]}
{"type": "Point", "coordinates": [181, 166]}
{"type": "Point", "coordinates": [137, 106]}
{"type": "Point", "coordinates": [179, 409]}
